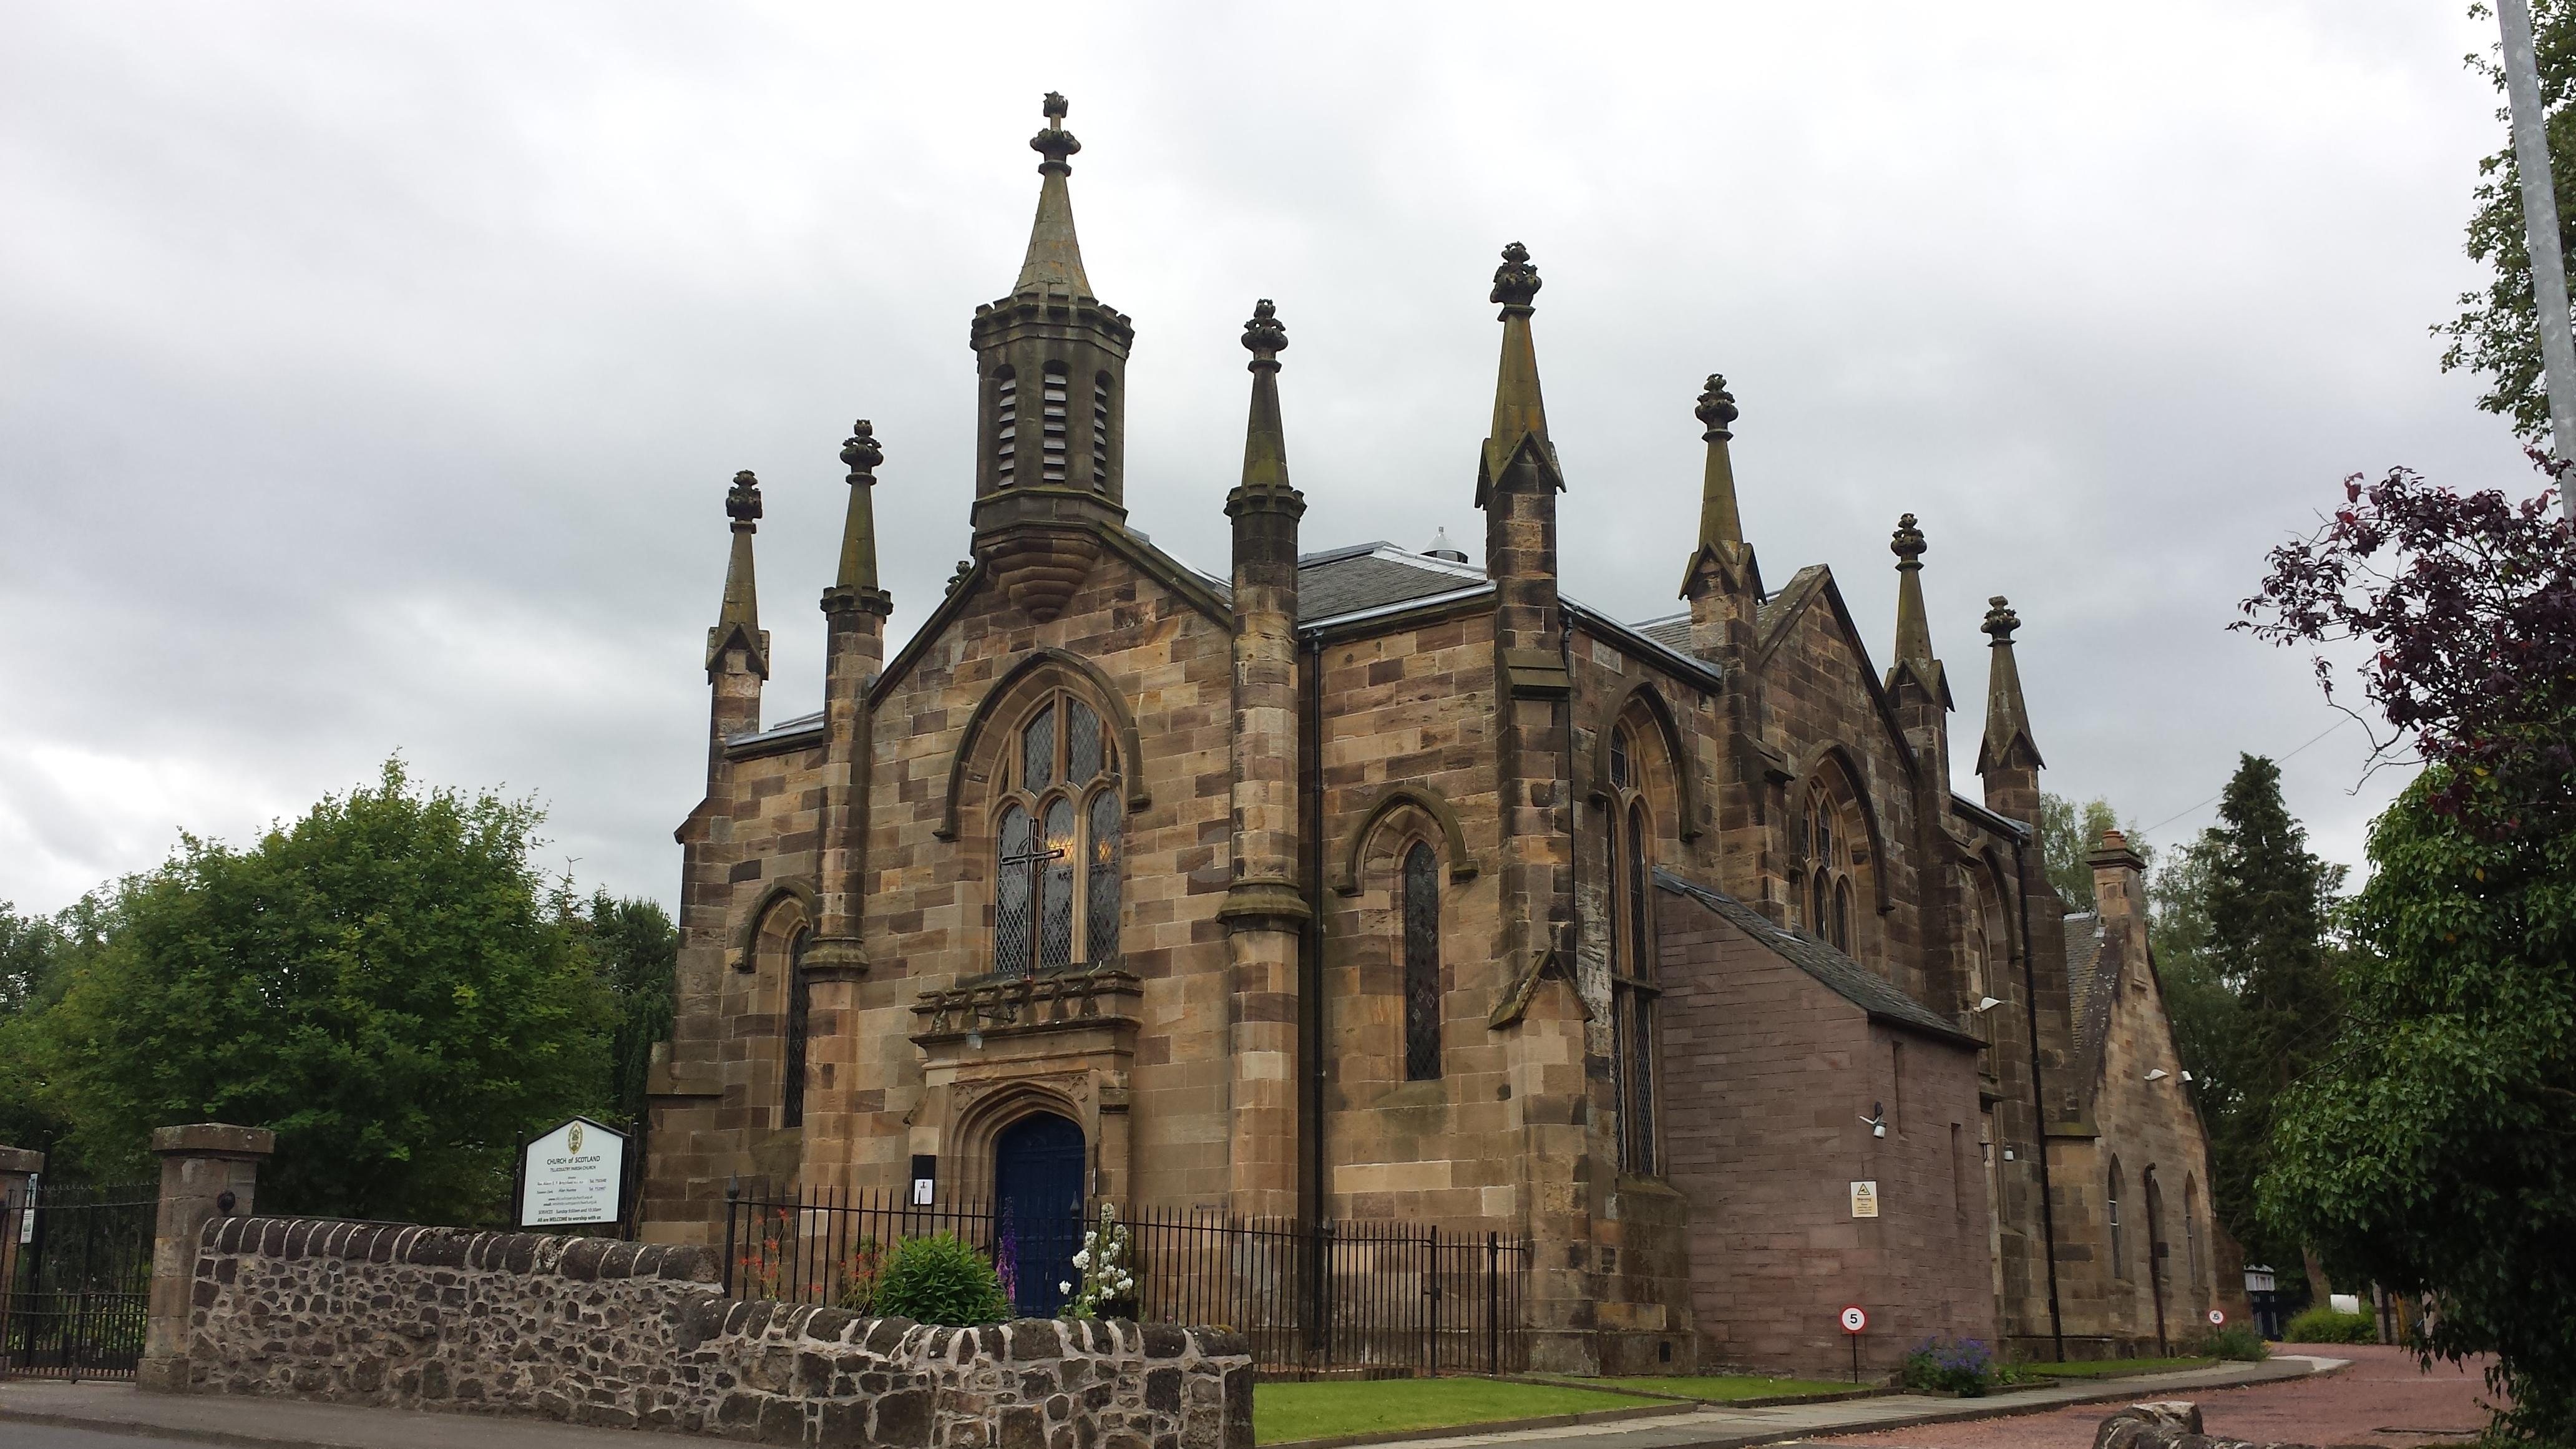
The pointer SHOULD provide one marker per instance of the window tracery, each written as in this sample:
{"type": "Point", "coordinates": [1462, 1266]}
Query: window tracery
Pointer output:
{"type": "Point", "coordinates": [1058, 852]}
{"type": "Point", "coordinates": [1826, 842]}
{"type": "Point", "coordinates": [1632, 968]}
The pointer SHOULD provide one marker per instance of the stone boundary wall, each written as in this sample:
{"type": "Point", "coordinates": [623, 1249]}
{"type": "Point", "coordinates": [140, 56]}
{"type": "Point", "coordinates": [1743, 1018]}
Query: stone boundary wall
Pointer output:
{"type": "Point", "coordinates": [593, 1331]}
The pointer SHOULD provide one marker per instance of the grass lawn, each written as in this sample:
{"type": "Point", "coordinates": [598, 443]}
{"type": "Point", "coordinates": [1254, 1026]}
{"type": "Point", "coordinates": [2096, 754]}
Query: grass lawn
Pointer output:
{"type": "Point", "coordinates": [2110, 1368]}
{"type": "Point", "coordinates": [1332, 1407]}
{"type": "Point", "coordinates": [1727, 1387]}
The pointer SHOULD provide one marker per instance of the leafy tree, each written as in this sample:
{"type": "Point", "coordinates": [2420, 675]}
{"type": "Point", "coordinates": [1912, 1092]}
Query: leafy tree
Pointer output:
{"type": "Point", "coordinates": [386, 982]}
{"type": "Point", "coordinates": [2433, 1147]}
{"type": "Point", "coordinates": [2068, 832]}
{"type": "Point", "coordinates": [2258, 987]}
{"type": "Point", "coordinates": [638, 954]}
{"type": "Point", "coordinates": [2496, 333]}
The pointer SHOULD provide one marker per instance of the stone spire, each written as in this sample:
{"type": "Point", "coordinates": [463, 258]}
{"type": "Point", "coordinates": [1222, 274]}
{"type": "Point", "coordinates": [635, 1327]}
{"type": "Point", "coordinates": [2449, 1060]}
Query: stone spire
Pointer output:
{"type": "Point", "coordinates": [855, 586]}
{"type": "Point", "coordinates": [2008, 759]}
{"type": "Point", "coordinates": [1718, 521]}
{"type": "Point", "coordinates": [738, 621]}
{"type": "Point", "coordinates": [1722, 581]}
{"type": "Point", "coordinates": [1914, 657]}
{"type": "Point", "coordinates": [1264, 911]}
{"type": "Point", "coordinates": [1265, 441]}
{"type": "Point", "coordinates": [1520, 413]}
{"type": "Point", "coordinates": [1054, 262]}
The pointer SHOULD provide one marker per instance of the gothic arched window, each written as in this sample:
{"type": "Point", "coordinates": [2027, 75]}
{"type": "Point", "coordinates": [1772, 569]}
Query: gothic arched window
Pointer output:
{"type": "Point", "coordinates": [1421, 964]}
{"type": "Point", "coordinates": [1006, 424]}
{"type": "Point", "coordinates": [2111, 1198]}
{"type": "Point", "coordinates": [1632, 966]}
{"type": "Point", "coordinates": [1056, 844]}
{"type": "Point", "coordinates": [800, 1003]}
{"type": "Point", "coordinates": [1827, 839]}
{"type": "Point", "coordinates": [2191, 1229]}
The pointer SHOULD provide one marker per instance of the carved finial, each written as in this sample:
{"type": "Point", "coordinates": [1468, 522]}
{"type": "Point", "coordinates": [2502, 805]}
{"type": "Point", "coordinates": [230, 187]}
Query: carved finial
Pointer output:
{"type": "Point", "coordinates": [1264, 336]}
{"type": "Point", "coordinates": [965, 566]}
{"type": "Point", "coordinates": [861, 452]}
{"type": "Point", "coordinates": [1516, 280]}
{"type": "Point", "coordinates": [1055, 142]}
{"type": "Point", "coordinates": [1907, 544]}
{"type": "Point", "coordinates": [1716, 408]}
{"type": "Point", "coordinates": [742, 500]}
{"type": "Point", "coordinates": [2001, 621]}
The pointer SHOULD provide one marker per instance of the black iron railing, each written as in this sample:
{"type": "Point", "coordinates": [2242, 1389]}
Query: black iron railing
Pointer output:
{"type": "Point", "coordinates": [79, 1284]}
{"type": "Point", "coordinates": [1329, 1297]}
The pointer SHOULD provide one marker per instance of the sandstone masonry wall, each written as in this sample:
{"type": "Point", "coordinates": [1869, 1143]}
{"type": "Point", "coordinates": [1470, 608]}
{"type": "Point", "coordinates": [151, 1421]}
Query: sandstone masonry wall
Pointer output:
{"type": "Point", "coordinates": [591, 1331]}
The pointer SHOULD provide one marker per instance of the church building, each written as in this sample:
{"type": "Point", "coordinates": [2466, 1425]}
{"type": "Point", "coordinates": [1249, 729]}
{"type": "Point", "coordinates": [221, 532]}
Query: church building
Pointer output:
{"type": "Point", "coordinates": [1377, 884]}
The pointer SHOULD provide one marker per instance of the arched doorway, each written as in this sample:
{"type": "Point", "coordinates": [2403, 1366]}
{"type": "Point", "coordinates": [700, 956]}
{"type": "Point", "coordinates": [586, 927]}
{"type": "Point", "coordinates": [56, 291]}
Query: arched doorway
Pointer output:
{"type": "Point", "coordinates": [1038, 1166]}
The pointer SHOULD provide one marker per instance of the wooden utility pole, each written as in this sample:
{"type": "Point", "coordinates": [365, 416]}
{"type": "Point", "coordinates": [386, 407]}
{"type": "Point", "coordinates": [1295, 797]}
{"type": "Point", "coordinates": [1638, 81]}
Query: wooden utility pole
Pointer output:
{"type": "Point", "coordinates": [2540, 235]}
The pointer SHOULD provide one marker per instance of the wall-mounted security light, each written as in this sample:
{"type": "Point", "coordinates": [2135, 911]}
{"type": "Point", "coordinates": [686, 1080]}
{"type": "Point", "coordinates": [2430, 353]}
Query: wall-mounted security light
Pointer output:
{"type": "Point", "coordinates": [1987, 1003]}
{"type": "Point", "coordinates": [1876, 1121]}
{"type": "Point", "coordinates": [2186, 1076]}
{"type": "Point", "coordinates": [2158, 1075]}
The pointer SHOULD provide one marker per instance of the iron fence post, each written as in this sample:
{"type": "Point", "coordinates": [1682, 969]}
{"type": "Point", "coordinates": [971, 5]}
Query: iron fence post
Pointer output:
{"type": "Point", "coordinates": [1493, 1304]}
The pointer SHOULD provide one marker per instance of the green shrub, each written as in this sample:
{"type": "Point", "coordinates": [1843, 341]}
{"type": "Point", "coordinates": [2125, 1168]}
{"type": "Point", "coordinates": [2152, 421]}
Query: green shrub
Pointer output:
{"type": "Point", "coordinates": [940, 1279]}
{"type": "Point", "coordinates": [2322, 1324]}
{"type": "Point", "coordinates": [1961, 1366]}
{"type": "Point", "coordinates": [2236, 1341]}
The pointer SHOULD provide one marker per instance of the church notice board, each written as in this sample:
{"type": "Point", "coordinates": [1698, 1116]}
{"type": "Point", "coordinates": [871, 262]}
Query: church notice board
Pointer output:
{"type": "Point", "coordinates": [575, 1174]}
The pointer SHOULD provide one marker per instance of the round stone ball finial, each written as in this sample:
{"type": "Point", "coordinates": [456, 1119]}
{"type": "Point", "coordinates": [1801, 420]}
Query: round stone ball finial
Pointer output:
{"type": "Point", "coordinates": [1516, 280]}
{"type": "Point", "coordinates": [1716, 408]}
{"type": "Point", "coordinates": [2001, 621]}
{"type": "Point", "coordinates": [1055, 142]}
{"type": "Point", "coordinates": [1907, 544]}
{"type": "Point", "coordinates": [1264, 336]}
{"type": "Point", "coordinates": [742, 500]}
{"type": "Point", "coordinates": [861, 453]}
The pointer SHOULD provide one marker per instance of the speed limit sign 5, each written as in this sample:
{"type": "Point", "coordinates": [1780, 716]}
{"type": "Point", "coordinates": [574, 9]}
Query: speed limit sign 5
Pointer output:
{"type": "Point", "coordinates": [1854, 1319]}
{"type": "Point", "coordinates": [2217, 1317]}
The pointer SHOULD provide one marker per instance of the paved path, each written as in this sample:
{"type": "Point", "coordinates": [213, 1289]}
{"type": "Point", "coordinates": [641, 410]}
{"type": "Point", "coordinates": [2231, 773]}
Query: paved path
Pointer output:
{"type": "Point", "coordinates": [2382, 1399]}
{"type": "Point", "coordinates": [41, 1412]}
{"type": "Point", "coordinates": [38, 1414]}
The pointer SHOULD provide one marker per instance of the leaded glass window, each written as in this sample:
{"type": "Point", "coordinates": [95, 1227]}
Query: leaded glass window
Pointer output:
{"type": "Point", "coordinates": [1421, 964]}
{"type": "Point", "coordinates": [1057, 844]}
{"type": "Point", "coordinates": [1055, 901]}
{"type": "Point", "coordinates": [1101, 888]}
{"type": "Point", "coordinates": [1013, 894]}
{"type": "Point", "coordinates": [1640, 1114]}
{"type": "Point", "coordinates": [1037, 753]}
{"type": "Point", "coordinates": [800, 1002]}
{"type": "Point", "coordinates": [1619, 759]}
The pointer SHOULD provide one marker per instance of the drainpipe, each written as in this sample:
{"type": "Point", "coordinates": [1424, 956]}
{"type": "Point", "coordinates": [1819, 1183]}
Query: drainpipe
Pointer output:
{"type": "Point", "coordinates": [2038, 1099]}
{"type": "Point", "coordinates": [1310, 942]}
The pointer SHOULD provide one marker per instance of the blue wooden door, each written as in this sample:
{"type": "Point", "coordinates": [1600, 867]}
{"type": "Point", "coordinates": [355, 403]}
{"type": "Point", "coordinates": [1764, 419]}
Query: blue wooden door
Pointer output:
{"type": "Point", "coordinates": [1038, 1166]}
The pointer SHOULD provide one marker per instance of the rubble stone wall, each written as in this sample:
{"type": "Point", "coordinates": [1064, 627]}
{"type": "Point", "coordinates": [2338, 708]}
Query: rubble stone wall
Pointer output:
{"type": "Point", "coordinates": [592, 1331]}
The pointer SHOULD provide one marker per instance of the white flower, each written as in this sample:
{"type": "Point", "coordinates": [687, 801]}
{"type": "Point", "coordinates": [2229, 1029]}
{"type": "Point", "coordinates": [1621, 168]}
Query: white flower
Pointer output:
{"type": "Point", "coordinates": [1063, 1287]}
{"type": "Point", "coordinates": [1082, 1259]}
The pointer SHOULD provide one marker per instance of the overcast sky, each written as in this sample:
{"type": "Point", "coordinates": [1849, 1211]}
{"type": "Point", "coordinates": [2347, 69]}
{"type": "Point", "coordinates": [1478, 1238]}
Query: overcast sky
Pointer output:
{"type": "Point", "coordinates": [370, 376]}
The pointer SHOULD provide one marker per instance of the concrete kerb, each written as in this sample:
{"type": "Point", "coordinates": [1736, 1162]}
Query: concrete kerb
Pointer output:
{"type": "Point", "coordinates": [261, 1423]}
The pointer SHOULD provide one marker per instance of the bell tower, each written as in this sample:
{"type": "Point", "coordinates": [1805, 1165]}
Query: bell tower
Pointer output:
{"type": "Point", "coordinates": [1051, 400]}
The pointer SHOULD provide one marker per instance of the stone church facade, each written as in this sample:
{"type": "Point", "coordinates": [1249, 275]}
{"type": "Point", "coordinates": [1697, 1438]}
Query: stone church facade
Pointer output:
{"type": "Point", "coordinates": [1383, 884]}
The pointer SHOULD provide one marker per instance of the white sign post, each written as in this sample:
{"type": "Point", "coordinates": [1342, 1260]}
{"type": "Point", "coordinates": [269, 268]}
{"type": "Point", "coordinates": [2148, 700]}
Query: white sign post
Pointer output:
{"type": "Point", "coordinates": [1855, 1320]}
{"type": "Point", "coordinates": [2218, 1318]}
{"type": "Point", "coordinates": [572, 1175]}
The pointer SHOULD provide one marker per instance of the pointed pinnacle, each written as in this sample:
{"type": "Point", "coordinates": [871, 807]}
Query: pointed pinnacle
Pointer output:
{"type": "Point", "coordinates": [2001, 621]}
{"type": "Point", "coordinates": [861, 453]}
{"type": "Point", "coordinates": [742, 502]}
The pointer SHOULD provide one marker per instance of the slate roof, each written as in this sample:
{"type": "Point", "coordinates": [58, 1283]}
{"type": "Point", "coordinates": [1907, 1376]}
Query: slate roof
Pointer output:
{"type": "Point", "coordinates": [2092, 985]}
{"type": "Point", "coordinates": [1374, 576]}
{"type": "Point", "coordinates": [1838, 973]}
{"type": "Point", "coordinates": [1672, 631]}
